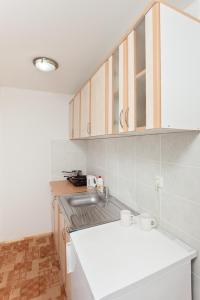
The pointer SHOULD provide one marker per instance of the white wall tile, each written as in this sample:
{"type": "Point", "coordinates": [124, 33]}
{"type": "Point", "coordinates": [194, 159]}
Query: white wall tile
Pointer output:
{"type": "Point", "coordinates": [147, 199]}
{"type": "Point", "coordinates": [67, 155]}
{"type": "Point", "coordinates": [182, 181]}
{"type": "Point", "coordinates": [148, 147]}
{"type": "Point", "coordinates": [126, 157]}
{"type": "Point", "coordinates": [181, 213]}
{"type": "Point", "coordinates": [126, 191]}
{"type": "Point", "coordinates": [146, 171]}
{"type": "Point", "coordinates": [181, 148]}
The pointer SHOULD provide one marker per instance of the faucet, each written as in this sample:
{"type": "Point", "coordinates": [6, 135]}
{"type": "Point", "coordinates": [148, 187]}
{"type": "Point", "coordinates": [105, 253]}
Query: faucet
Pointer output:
{"type": "Point", "coordinates": [106, 192]}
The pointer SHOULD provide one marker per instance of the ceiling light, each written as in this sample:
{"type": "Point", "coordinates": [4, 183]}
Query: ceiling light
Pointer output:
{"type": "Point", "coordinates": [45, 64]}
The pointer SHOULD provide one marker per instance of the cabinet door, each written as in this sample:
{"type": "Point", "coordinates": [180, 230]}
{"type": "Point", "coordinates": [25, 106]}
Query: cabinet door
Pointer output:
{"type": "Point", "coordinates": [153, 77]}
{"type": "Point", "coordinates": [56, 224]}
{"type": "Point", "coordinates": [123, 86]}
{"type": "Point", "coordinates": [76, 116]}
{"type": "Point", "coordinates": [62, 248]}
{"type": "Point", "coordinates": [140, 75]}
{"type": "Point", "coordinates": [99, 102]}
{"type": "Point", "coordinates": [180, 65]}
{"type": "Point", "coordinates": [130, 110]}
{"type": "Point", "coordinates": [111, 95]}
{"type": "Point", "coordinates": [68, 275]}
{"type": "Point", "coordinates": [71, 119]}
{"type": "Point", "coordinates": [85, 111]}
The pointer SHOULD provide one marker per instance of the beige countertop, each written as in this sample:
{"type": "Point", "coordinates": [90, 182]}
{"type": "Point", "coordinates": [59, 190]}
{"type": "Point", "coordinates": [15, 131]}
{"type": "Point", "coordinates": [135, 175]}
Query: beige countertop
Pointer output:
{"type": "Point", "coordinates": [63, 187]}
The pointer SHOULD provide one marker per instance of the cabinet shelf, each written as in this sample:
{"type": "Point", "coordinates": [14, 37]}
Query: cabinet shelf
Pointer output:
{"type": "Point", "coordinates": [141, 74]}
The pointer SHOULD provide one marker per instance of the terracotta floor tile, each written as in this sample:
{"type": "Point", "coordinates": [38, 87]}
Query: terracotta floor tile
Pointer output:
{"type": "Point", "coordinates": [29, 269]}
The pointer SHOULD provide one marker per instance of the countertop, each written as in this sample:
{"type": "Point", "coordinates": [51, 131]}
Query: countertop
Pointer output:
{"type": "Point", "coordinates": [114, 257]}
{"type": "Point", "coordinates": [64, 187]}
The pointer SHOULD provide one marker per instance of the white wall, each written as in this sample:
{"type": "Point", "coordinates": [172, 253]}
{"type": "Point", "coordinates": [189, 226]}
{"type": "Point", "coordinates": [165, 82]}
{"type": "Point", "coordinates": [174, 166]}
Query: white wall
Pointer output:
{"type": "Point", "coordinates": [33, 125]}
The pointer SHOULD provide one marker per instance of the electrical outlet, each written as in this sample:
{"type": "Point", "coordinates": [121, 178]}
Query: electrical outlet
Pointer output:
{"type": "Point", "coordinates": [158, 183]}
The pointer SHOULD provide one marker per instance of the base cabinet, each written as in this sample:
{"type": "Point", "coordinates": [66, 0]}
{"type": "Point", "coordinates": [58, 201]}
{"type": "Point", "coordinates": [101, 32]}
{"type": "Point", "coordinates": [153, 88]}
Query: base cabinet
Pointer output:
{"type": "Point", "coordinates": [62, 248]}
{"type": "Point", "coordinates": [56, 223]}
{"type": "Point", "coordinates": [61, 238]}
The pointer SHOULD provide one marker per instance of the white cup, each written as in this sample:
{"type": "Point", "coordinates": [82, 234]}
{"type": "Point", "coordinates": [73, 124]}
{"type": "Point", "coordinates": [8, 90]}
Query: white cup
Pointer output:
{"type": "Point", "coordinates": [126, 217]}
{"type": "Point", "coordinates": [146, 222]}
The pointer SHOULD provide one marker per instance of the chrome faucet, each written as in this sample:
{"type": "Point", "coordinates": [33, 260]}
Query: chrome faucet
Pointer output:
{"type": "Point", "coordinates": [106, 192]}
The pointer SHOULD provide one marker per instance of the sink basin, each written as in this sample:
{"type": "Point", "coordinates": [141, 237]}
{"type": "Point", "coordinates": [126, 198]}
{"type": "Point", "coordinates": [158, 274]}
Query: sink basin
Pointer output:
{"type": "Point", "coordinates": [85, 199]}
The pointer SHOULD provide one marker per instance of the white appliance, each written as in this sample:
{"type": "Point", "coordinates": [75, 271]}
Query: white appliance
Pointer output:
{"type": "Point", "coordinates": [91, 181]}
{"type": "Point", "coordinates": [111, 262]}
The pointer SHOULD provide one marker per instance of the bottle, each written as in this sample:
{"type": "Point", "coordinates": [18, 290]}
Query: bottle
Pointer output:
{"type": "Point", "coordinates": [100, 184]}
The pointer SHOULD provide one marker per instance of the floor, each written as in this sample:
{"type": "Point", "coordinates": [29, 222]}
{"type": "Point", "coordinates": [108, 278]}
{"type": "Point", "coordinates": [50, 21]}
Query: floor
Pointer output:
{"type": "Point", "coordinates": [29, 269]}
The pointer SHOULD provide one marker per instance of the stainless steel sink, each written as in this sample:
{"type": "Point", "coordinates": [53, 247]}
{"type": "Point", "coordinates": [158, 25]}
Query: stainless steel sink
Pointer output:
{"type": "Point", "coordinates": [83, 210]}
{"type": "Point", "coordinates": [85, 199]}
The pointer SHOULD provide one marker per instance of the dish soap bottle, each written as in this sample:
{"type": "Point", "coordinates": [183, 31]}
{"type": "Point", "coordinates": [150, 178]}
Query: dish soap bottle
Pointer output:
{"type": "Point", "coordinates": [100, 184]}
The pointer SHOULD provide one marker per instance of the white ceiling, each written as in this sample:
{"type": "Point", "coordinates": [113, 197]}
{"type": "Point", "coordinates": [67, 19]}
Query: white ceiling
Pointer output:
{"type": "Point", "coordinates": [78, 34]}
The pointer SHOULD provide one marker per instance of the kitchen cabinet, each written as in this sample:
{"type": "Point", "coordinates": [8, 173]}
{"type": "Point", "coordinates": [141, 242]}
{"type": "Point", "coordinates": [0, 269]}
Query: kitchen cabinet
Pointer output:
{"type": "Point", "coordinates": [71, 119]}
{"type": "Point", "coordinates": [85, 127]}
{"type": "Point", "coordinates": [150, 83]}
{"type": "Point", "coordinates": [146, 266]}
{"type": "Point", "coordinates": [62, 247]}
{"type": "Point", "coordinates": [99, 101]}
{"type": "Point", "coordinates": [172, 78]}
{"type": "Point", "coordinates": [76, 116]}
{"type": "Point", "coordinates": [123, 87]}
{"type": "Point", "coordinates": [126, 84]}
{"type": "Point", "coordinates": [121, 99]}
{"type": "Point", "coordinates": [56, 224]}
{"type": "Point", "coordinates": [63, 240]}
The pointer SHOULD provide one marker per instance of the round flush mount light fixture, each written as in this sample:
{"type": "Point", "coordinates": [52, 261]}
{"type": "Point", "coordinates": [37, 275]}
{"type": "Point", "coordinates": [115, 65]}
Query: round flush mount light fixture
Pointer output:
{"type": "Point", "coordinates": [45, 64]}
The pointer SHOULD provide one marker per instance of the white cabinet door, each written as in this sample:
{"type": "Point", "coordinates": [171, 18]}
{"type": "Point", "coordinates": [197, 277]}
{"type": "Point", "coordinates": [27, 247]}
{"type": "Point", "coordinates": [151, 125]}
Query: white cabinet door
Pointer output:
{"type": "Point", "coordinates": [180, 65]}
{"type": "Point", "coordinates": [85, 111]}
{"type": "Point", "coordinates": [99, 102]}
{"type": "Point", "coordinates": [76, 116]}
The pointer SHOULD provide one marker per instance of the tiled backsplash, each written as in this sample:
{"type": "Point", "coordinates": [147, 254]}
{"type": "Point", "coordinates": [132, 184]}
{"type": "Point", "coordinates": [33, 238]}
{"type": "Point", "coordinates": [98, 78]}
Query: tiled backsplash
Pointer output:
{"type": "Point", "coordinates": [129, 166]}
{"type": "Point", "coordinates": [67, 155]}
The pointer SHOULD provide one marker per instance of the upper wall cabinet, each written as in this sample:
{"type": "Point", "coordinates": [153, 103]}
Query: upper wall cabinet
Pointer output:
{"type": "Point", "coordinates": [180, 65]}
{"type": "Point", "coordinates": [71, 119]}
{"type": "Point", "coordinates": [76, 116]}
{"type": "Point", "coordinates": [151, 82]}
{"type": "Point", "coordinates": [172, 69]}
{"type": "Point", "coordinates": [99, 101]}
{"type": "Point", "coordinates": [121, 82]}
{"type": "Point", "coordinates": [85, 124]}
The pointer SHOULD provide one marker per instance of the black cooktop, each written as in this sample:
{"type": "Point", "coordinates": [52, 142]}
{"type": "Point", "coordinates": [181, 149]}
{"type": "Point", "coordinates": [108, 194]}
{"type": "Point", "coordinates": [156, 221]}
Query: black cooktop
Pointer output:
{"type": "Point", "coordinates": [78, 180]}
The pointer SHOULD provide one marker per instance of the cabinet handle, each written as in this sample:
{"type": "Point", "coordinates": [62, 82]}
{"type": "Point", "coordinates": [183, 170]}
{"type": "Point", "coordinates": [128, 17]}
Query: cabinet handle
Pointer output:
{"type": "Point", "coordinates": [126, 117]}
{"type": "Point", "coordinates": [120, 118]}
